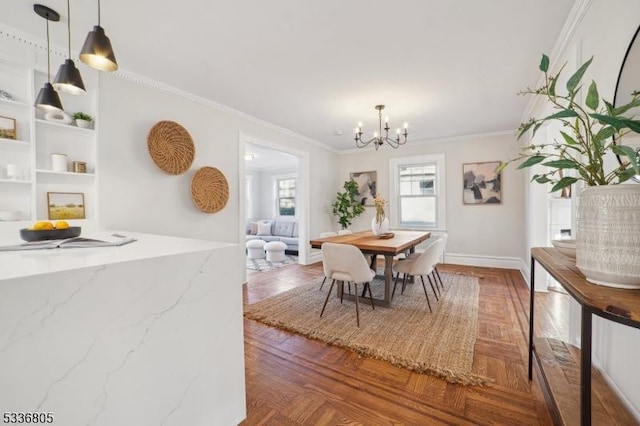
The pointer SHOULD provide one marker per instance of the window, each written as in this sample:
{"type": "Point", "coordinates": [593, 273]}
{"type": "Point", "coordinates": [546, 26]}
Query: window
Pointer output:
{"type": "Point", "coordinates": [417, 198]}
{"type": "Point", "coordinates": [286, 190]}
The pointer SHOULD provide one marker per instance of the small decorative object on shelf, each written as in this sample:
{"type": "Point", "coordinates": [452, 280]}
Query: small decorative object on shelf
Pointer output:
{"type": "Point", "coordinates": [59, 117]}
{"type": "Point", "coordinates": [6, 96]}
{"type": "Point", "coordinates": [65, 205]}
{"type": "Point", "coordinates": [12, 171]}
{"type": "Point", "coordinates": [7, 127]}
{"type": "Point", "coordinates": [79, 167]}
{"type": "Point", "coordinates": [82, 120]}
{"type": "Point", "coordinates": [59, 162]}
{"type": "Point", "coordinates": [380, 223]}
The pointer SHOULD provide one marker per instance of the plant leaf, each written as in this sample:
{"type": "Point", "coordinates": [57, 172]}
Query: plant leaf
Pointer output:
{"type": "Point", "coordinates": [563, 183]}
{"type": "Point", "coordinates": [605, 133]}
{"type": "Point", "coordinates": [565, 113]}
{"type": "Point", "coordinates": [616, 123]}
{"type": "Point", "coordinates": [568, 139]}
{"type": "Point", "coordinates": [593, 99]}
{"type": "Point", "coordinates": [531, 161]}
{"type": "Point", "coordinates": [561, 164]}
{"type": "Point", "coordinates": [544, 63]}
{"type": "Point", "coordinates": [624, 108]}
{"type": "Point", "coordinates": [626, 174]}
{"type": "Point", "coordinates": [630, 153]}
{"type": "Point", "coordinates": [574, 80]}
{"type": "Point", "coordinates": [524, 127]}
{"type": "Point", "coordinates": [542, 179]}
{"type": "Point", "coordinates": [633, 125]}
{"type": "Point", "coordinates": [552, 86]}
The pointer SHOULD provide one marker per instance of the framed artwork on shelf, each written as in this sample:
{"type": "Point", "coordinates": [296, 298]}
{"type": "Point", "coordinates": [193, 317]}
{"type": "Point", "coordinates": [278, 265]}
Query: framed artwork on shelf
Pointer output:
{"type": "Point", "coordinates": [481, 183]}
{"type": "Point", "coordinates": [7, 127]}
{"type": "Point", "coordinates": [65, 205]}
{"type": "Point", "coordinates": [367, 183]}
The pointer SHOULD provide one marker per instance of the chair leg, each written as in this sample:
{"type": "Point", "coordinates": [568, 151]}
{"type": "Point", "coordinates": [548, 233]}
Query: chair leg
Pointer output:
{"type": "Point", "coordinates": [325, 278]}
{"type": "Point", "coordinates": [342, 292]}
{"type": "Point", "coordinates": [394, 285]}
{"type": "Point", "coordinates": [404, 282]}
{"type": "Point", "coordinates": [435, 268]}
{"type": "Point", "coordinates": [424, 287]}
{"type": "Point", "coordinates": [327, 299]}
{"type": "Point", "coordinates": [368, 285]}
{"type": "Point", "coordinates": [432, 289]}
{"type": "Point", "coordinates": [357, 308]}
{"type": "Point", "coordinates": [434, 280]}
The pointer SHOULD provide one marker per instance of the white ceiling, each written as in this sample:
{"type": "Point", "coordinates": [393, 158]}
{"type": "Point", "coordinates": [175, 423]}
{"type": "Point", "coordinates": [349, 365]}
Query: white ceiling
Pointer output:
{"type": "Point", "coordinates": [268, 159]}
{"type": "Point", "coordinates": [449, 68]}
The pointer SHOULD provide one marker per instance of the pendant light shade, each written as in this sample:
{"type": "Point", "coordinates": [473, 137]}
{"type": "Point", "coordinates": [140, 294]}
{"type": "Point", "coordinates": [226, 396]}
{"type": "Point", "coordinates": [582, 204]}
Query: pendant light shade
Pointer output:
{"type": "Point", "coordinates": [97, 52]}
{"type": "Point", "coordinates": [68, 78]}
{"type": "Point", "coordinates": [48, 99]}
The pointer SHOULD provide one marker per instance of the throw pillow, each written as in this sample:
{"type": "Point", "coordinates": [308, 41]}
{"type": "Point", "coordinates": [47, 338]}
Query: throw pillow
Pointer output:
{"type": "Point", "coordinates": [253, 228]}
{"type": "Point", "coordinates": [264, 228]}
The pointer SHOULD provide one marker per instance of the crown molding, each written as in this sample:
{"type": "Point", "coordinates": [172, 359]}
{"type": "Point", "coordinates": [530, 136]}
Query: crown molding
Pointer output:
{"type": "Point", "coordinates": [562, 44]}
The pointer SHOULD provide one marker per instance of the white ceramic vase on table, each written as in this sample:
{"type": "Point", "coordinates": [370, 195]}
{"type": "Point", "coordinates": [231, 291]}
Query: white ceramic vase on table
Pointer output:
{"type": "Point", "coordinates": [380, 228]}
{"type": "Point", "coordinates": [608, 235]}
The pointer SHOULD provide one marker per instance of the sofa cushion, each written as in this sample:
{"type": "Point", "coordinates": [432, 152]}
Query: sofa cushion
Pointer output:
{"type": "Point", "coordinates": [283, 228]}
{"type": "Point", "coordinates": [295, 229]}
{"type": "Point", "coordinates": [264, 228]}
{"type": "Point", "coordinates": [290, 241]}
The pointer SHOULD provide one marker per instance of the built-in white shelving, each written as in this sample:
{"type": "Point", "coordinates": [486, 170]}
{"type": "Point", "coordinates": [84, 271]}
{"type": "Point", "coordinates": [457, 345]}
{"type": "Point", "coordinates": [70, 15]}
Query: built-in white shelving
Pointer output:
{"type": "Point", "coordinates": [26, 172]}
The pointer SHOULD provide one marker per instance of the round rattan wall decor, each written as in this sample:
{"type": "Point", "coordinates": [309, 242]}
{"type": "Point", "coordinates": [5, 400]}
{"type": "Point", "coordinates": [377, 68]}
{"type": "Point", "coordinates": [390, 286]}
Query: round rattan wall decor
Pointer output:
{"type": "Point", "coordinates": [209, 190]}
{"type": "Point", "coordinates": [171, 147]}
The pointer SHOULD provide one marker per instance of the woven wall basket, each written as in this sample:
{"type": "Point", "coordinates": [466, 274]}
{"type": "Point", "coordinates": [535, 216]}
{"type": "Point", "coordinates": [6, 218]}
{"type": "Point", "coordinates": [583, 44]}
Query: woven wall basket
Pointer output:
{"type": "Point", "coordinates": [209, 190]}
{"type": "Point", "coordinates": [171, 147]}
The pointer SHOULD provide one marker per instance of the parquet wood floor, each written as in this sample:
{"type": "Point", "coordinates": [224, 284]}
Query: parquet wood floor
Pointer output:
{"type": "Point", "coordinates": [292, 380]}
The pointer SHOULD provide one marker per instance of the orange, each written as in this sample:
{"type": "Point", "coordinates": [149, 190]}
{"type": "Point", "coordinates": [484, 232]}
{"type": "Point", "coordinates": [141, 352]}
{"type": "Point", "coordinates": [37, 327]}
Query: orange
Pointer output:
{"type": "Point", "coordinates": [62, 224]}
{"type": "Point", "coordinates": [43, 225]}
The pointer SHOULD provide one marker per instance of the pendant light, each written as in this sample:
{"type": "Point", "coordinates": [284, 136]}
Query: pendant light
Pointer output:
{"type": "Point", "coordinates": [96, 51]}
{"type": "Point", "coordinates": [48, 98]}
{"type": "Point", "coordinates": [68, 78]}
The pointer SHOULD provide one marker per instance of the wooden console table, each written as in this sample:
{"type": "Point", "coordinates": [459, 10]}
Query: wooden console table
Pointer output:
{"type": "Point", "coordinates": [621, 306]}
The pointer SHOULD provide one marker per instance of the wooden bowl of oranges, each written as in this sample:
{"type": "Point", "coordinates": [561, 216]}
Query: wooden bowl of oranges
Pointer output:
{"type": "Point", "coordinates": [45, 230]}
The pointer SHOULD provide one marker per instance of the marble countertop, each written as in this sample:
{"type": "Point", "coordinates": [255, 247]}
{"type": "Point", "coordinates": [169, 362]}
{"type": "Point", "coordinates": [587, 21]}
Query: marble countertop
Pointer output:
{"type": "Point", "coordinates": [16, 264]}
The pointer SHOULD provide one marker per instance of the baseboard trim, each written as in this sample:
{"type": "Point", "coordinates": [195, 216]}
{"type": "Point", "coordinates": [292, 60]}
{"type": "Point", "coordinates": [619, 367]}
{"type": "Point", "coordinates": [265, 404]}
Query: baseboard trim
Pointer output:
{"type": "Point", "coordinates": [485, 261]}
{"type": "Point", "coordinates": [313, 258]}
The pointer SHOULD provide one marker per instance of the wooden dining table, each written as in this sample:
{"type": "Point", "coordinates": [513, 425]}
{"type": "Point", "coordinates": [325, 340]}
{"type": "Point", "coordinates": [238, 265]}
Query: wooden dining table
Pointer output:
{"type": "Point", "coordinates": [368, 243]}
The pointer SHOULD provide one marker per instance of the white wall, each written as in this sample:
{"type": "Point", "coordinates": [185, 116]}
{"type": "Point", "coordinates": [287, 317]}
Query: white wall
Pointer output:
{"type": "Point", "coordinates": [489, 234]}
{"type": "Point", "coordinates": [136, 195]}
{"type": "Point", "coordinates": [605, 33]}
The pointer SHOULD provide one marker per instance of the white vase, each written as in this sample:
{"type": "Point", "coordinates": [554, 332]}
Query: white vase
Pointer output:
{"type": "Point", "coordinates": [608, 235]}
{"type": "Point", "coordinates": [84, 124]}
{"type": "Point", "coordinates": [380, 228]}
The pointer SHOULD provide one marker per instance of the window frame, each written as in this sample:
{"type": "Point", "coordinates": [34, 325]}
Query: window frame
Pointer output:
{"type": "Point", "coordinates": [276, 189]}
{"type": "Point", "coordinates": [439, 189]}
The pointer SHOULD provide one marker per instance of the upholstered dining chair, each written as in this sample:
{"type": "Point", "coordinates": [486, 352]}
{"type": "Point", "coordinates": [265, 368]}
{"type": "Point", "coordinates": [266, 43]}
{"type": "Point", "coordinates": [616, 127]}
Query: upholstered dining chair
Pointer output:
{"type": "Point", "coordinates": [346, 263]}
{"type": "Point", "coordinates": [324, 265]}
{"type": "Point", "coordinates": [443, 246]}
{"type": "Point", "coordinates": [418, 266]}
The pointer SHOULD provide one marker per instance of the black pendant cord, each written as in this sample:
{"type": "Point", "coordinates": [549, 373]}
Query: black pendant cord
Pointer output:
{"type": "Point", "coordinates": [99, 13]}
{"type": "Point", "coordinates": [48, 55]}
{"type": "Point", "coordinates": [69, 25]}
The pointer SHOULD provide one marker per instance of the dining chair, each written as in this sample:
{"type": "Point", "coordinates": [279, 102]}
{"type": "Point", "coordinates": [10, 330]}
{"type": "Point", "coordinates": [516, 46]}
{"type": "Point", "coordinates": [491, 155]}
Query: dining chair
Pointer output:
{"type": "Point", "coordinates": [418, 265]}
{"type": "Point", "coordinates": [346, 263]}
{"type": "Point", "coordinates": [324, 266]}
{"type": "Point", "coordinates": [443, 245]}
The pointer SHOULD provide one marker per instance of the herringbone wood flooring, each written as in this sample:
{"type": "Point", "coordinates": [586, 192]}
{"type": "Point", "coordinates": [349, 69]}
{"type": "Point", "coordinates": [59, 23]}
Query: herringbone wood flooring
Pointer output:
{"type": "Point", "coordinates": [292, 380]}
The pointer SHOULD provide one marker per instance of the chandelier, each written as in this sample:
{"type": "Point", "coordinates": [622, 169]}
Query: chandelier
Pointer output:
{"type": "Point", "coordinates": [377, 138]}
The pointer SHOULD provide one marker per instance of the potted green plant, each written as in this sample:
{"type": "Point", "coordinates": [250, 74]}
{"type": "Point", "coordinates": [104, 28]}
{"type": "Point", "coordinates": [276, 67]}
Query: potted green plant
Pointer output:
{"type": "Point", "coordinates": [605, 252]}
{"type": "Point", "coordinates": [82, 119]}
{"type": "Point", "coordinates": [347, 207]}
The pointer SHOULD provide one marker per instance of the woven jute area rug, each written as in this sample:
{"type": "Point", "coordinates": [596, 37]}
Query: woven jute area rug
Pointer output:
{"type": "Point", "coordinates": [407, 334]}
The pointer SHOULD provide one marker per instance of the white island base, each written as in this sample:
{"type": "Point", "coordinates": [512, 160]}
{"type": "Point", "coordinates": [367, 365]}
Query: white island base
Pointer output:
{"type": "Point", "coordinates": [149, 333]}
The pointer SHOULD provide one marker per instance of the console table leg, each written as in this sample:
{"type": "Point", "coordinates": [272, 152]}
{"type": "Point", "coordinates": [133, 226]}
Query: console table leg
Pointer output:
{"type": "Point", "coordinates": [585, 368]}
{"type": "Point", "coordinates": [532, 276]}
